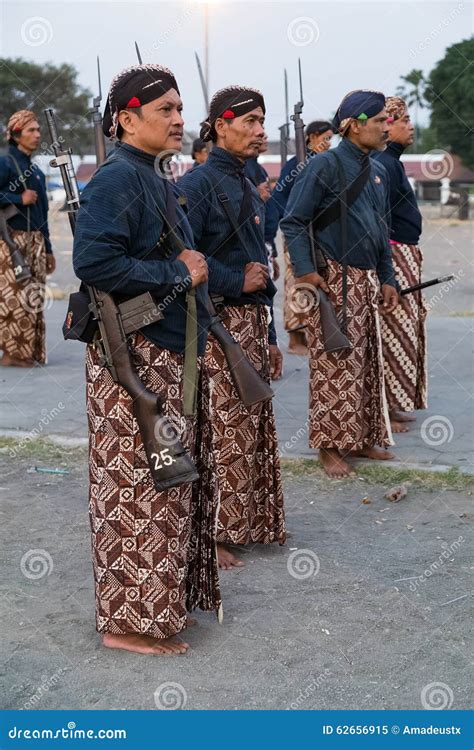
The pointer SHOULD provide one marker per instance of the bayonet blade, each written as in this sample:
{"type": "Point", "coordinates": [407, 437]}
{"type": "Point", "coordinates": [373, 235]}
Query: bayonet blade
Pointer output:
{"type": "Point", "coordinates": [138, 54]}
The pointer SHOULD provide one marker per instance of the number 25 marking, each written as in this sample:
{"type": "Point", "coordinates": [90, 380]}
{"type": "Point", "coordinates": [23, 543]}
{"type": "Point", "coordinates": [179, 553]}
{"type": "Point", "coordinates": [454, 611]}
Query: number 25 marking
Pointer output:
{"type": "Point", "coordinates": [162, 459]}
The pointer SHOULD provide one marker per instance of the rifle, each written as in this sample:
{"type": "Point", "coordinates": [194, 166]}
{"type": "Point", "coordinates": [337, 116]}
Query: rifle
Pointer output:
{"type": "Point", "coordinates": [20, 267]}
{"type": "Point", "coordinates": [97, 122]}
{"type": "Point", "coordinates": [334, 339]}
{"type": "Point", "coordinates": [205, 92]}
{"type": "Point", "coordinates": [285, 128]}
{"type": "Point", "coordinates": [170, 465]}
{"type": "Point", "coordinates": [424, 284]}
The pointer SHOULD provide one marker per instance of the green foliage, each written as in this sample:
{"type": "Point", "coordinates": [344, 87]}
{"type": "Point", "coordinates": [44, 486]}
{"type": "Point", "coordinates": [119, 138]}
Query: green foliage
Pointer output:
{"type": "Point", "coordinates": [449, 92]}
{"type": "Point", "coordinates": [26, 85]}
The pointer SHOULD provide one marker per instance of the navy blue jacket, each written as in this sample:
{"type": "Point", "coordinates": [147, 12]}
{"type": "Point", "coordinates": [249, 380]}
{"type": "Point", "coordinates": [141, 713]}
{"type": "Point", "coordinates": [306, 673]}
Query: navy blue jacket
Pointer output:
{"type": "Point", "coordinates": [405, 216]}
{"type": "Point", "coordinates": [226, 260]}
{"type": "Point", "coordinates": [368, 234]}
{"type": "Point", "coordinates": [12, 186]}
{"type": "Point", "coordinates": [118, 224]}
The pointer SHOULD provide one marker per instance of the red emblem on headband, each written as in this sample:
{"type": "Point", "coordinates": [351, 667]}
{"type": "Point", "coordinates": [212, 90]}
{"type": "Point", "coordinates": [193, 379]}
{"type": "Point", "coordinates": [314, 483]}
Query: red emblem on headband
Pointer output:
{"type": "Point", "coordinates": [134, 102]}
{"type": "Point", "coordinates": [228, 114]}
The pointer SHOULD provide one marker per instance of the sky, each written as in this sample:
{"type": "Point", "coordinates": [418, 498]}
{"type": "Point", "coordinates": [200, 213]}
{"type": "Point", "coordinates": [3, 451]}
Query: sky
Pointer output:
{"type": "Point", "coordinates": [342, 45]}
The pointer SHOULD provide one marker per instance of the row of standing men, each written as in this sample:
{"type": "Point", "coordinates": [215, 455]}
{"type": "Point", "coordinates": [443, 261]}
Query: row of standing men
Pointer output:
{"type": "Point", "coordinates": [156, 554]}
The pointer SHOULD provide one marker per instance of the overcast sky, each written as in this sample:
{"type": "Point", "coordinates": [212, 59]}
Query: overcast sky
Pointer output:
{"type": "Point", "coordinates": [342, 45]}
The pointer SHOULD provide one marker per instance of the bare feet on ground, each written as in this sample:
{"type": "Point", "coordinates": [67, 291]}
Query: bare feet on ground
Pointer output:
{"type": "Point", "coordinates": [378, 454]}
{"type": "Point", "coordinates": [226, 559]}
{"type": "Point", "coordinates": [334, 464]}
{"type": "Point", "coordinates": [8, 361]}
{"type": "Point", "coordinates": [399, 419]}
{"type": "Point", "coordinates": [297, 344]}
{"type": "Point", "coordinates": [145, 644]}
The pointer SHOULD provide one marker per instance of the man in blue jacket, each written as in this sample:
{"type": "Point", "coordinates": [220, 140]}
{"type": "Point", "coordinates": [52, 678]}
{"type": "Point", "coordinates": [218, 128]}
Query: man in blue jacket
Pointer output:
{"type": "Point", "coordinates": [348, 408]}
{"type": "Point", "coordinates": [227, 218]}
{"type": "Point", "coordinates": [153, 552]}
{"type": "Point", "coordinates": [23, 187]}
{"type": "Point", "coordinates": [403, 332]}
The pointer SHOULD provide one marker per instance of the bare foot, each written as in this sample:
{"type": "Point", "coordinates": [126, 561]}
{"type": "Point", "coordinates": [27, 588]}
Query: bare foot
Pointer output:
{"type": "Point", "coordinates": [8, 361]}
{"type": "Point", "coordinates": [226, 559]}
{"type": "Point", "coordinates": [144, 644]}
{"type": "Point", "coordinates": [334, 465]}
{"type": "Point", "coordinates": [402, 416]}
{"type": "Point", "coordinates": [399, 426]}
{"type": "Point", "coordinates": [378, 454]}
{"type": "Point", "coordinates": [297, 344]}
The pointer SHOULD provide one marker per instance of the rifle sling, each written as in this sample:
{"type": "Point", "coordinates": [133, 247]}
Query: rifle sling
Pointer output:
{"type": "Point", "coordinates": [332, 212]}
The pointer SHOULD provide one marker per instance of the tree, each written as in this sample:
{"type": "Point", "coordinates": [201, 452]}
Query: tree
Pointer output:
{"type": "Point", "coordinates": [413, 90]}
{"type": "Point", "coordinates": [449, 92]}
{"type": "Point", "coordinates": [26, 85]}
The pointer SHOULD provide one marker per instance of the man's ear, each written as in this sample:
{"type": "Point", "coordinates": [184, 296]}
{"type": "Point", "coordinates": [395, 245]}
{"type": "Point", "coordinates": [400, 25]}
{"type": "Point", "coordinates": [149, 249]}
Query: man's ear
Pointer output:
{"type": "Point", "coordinates": [126, 121]}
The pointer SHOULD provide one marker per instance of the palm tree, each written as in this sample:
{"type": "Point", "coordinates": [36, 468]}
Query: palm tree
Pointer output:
{"type": "Point", "coordinates": [413, 91]}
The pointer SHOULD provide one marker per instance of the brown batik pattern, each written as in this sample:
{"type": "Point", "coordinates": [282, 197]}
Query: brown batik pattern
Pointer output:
{"type": "Point", "coordinates": [22, 328]}
{"type": "Point", "coordinates": [292, 316]}
{"type": "Point", "coordinates": [404, 336]}
{"type": "Point", "coordinates": [244, 440]}
{"type": "Point", "coordinates": [154, 552]}
{"type": "Point", "coordinates": [348, 409]}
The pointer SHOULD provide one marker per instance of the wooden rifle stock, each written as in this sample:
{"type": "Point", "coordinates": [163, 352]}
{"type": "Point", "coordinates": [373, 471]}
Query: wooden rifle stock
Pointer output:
{"type": "Point", "coordinates": [20, 267]}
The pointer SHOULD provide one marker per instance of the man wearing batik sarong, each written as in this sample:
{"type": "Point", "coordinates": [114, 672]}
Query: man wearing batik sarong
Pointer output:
{"type": "Point", "coordinates": [153, 552]}
{"type": "Point", "coordinates": [348, 408]}
{"type": "Point", "coordinates": [318, 140]}
{"type": "Point", "coordinates": [403, 332]}
{"type": "Point", "coordinates": [23, 189]}
{"type": "Point", "coordinates": [244, 439]}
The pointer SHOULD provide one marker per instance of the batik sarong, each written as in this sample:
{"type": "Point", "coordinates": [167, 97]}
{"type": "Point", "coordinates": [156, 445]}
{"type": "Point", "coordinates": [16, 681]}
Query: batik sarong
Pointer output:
{"type": "Point", "coordinates": [154, 553]}
{"type": "Point", "coordinates": [348, 410]}
{"type": "Point", "coordinates": [22, 329]}
{"type": "Point", "coordinates": [404, 336]}
{"type": "Point", "coordinates": [294, 305]}
{"type": "Point", "coordinates": [244, 439]}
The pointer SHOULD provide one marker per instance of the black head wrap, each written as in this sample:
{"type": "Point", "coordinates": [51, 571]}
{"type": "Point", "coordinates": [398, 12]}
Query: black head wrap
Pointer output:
{"type": "Point", "coordinates": [134, 87]}
{"type": "Point", "coordinates": [229, 103]}
{"type": "Point", "coordinates": [359, 105]}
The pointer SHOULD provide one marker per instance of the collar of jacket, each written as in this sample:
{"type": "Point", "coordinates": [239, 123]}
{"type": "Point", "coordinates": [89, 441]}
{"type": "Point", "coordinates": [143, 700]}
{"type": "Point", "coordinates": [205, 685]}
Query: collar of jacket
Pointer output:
{"type": "Point", "coordinates": [396, 149]}
{"type": "Point", "coordinates": [136, 154]}
{"type": "Point", "coordinates": [225, 161]}
{"type": "Point", "coordinates": [350, 149]}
